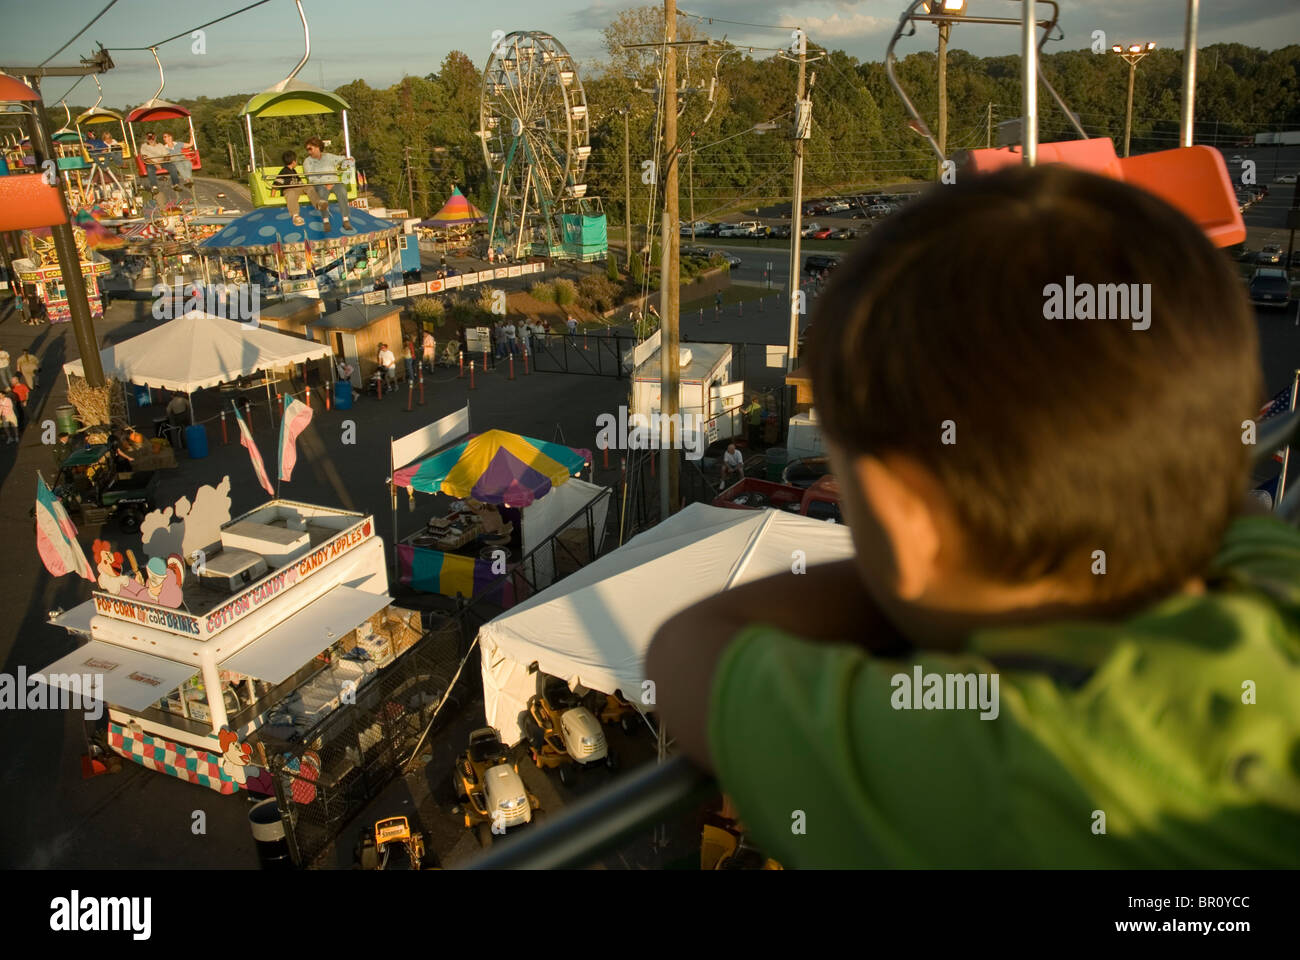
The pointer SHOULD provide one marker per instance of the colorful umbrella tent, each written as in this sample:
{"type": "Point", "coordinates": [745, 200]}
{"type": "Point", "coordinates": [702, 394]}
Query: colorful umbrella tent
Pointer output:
{"type": "Point", "coordinates": [200, 350]}
{"type": "Point", "coordinates": [456, 212]}
{"type": "Point", "coordinates": [495, 467]}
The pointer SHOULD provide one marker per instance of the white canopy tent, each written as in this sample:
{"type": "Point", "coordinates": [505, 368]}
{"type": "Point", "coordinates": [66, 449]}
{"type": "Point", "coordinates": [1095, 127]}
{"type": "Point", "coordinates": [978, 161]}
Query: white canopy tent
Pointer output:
{"type": "Point", "coordinates": [200, 350]}
{"type": "Point", "coordinates": [593, 628]}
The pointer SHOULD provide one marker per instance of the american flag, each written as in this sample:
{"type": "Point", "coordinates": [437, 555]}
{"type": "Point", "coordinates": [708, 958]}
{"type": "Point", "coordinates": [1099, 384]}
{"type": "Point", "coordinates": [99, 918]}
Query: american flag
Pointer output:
{"type": "Point", "coordinates": [1279, 405]}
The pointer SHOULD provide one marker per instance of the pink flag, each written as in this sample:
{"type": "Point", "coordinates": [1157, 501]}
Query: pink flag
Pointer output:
{"type": "Point", "coordinates": [296, 417]}
{"type": "Point", "coordinates": [56, 537]}
{"type": "Point", "coordinates": [246, 438]}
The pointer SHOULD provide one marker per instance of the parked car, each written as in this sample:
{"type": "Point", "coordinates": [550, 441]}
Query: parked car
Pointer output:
{"type": "Point", "coordinates": [809, 229]}
{"type": "Point", "coordinates": [1236, 158]}
{"type": "Point", "coordinates": [823, 234]}
{"type": "Point", "coordinates": [731, 258]}
{"type": "Point", "coordinates": [781, 232]}
{"type": "Point", "coordinates": [820, 263]}
{"type": "Point", "coordinates": [695, 252]}
{"type": "Point", "coordinates": [845, 234]}
{"type": "Point", "coordinates": [1286, 178]}
{"type": "Point", "coordinates": [1270, 287]}
{"type": "Point", "coordinates": [1271, 253]}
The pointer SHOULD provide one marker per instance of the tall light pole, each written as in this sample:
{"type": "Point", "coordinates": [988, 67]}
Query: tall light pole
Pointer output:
{"type": "Point", "coordinates": [627, 186]}
{"type": "Point", "coordinates": [670, 361]}
{"type": "Point", "coordinates": [802, 131]}
{"type": "Point", "coordinates": [1133, 53]}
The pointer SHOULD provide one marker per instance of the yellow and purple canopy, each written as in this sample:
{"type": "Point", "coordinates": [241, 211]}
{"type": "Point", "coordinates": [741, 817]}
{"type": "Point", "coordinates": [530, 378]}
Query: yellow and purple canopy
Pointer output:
{"type": "Point", "coordinates": [456, 212]}
{"type": "Point", "coordinates": [495, 467]}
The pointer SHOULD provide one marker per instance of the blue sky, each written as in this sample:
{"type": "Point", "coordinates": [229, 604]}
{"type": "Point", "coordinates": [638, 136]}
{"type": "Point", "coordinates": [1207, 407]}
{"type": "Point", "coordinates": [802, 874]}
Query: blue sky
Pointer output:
{"type": "Point", "coordinates": [381, 40]}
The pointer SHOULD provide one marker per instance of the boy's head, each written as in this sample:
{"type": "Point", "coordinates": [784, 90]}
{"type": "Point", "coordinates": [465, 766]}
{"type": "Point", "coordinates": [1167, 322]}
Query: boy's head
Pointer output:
{"type": "Point", "coordinates": [987, 450]}
{"type": "Point", "coordinates": [289, 158]}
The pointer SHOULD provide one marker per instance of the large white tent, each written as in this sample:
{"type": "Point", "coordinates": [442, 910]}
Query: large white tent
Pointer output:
{"type": "Point", "coordinates": [593, 627]}
{"type": "Point", "coordinates": [200, 350]}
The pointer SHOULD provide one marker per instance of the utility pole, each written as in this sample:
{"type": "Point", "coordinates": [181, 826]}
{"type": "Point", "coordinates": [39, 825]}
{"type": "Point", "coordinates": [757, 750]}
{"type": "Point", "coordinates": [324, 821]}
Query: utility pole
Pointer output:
{"type": "Point", "coordinates": [627, 187]}
{"type": "Point", "coordinates": [65, 245]}
{"type": "Point", "coordinates": [1132, 55]}
{"type": "Point", "coordinates": [944, 30]}
{"type": "Point", "coordinates": [410, 185]}
{"type": "Point", "coordinates": [690, 180]}
{"type": "Point", "coordinates": [802, 130]}
{"type": "Point", "coordinates": [669, 372]}
{"type": "Point", "coordinates": [988, 127]}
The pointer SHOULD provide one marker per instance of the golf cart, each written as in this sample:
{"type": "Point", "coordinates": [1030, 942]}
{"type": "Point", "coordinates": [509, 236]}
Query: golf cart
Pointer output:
{"type": "Point", "coordinates": [92, 491]}
{"type": "Point", "coordinates": [562, 732]}
{"type": "Point", "coordinates": [374, 848]}
{"type": "Point", "coordinates": [487, 783]}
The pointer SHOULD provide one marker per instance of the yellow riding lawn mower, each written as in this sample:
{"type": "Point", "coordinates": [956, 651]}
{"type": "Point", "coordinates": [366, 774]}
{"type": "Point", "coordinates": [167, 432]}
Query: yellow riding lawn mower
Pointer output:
{"type": "Point", "coordinates": [375, 848]}
{"type": "Point", "coordinates": [562, 732]}
{"type": "Point", "coordinates": [724, 846]}
{"type": "Point", "coordinates": [487, 783]}
{"type": "Point", "coordinates": [612, 710]}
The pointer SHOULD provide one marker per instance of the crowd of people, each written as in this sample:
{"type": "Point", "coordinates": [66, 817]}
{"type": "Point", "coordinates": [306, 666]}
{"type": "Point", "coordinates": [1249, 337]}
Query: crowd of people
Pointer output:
{"type": "Point", "coordinates": [15, 391]}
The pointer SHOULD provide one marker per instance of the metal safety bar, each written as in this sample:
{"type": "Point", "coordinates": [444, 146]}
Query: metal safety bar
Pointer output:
{"type": "Point", "coordinates": [1027, 21]}
{"type": "Point", "coordinates": [604, 820]}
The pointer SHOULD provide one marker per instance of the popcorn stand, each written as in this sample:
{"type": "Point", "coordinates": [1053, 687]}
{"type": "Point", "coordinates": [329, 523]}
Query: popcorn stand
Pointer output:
{"type": "Point", "coordinates": [267, 631]}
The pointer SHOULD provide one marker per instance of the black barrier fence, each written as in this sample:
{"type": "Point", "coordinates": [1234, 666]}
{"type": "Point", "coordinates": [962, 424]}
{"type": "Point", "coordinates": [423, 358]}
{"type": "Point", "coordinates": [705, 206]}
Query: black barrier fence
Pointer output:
{"type": "Point", "coordinates": [326, 775]}
{"type": "Point", "coordinates": [600, 355]}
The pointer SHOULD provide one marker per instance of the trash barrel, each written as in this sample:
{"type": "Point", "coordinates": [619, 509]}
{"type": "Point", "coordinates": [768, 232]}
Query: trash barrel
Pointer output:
{"type": "Point", "coordinates": [142, 398]}
{"type": "Point", "coordinates": [268, 833]}
{"type": "Point", "coordinates": [65, 419]}
{"type": "Point", "coordinates": [342, 395]}
{"type": "Point", "coordinates": [776, 460]}
{"type": "Point", "coordinates": [196, 441]}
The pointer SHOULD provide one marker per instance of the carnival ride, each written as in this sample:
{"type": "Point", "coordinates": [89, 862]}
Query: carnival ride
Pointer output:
{"type": "Point", "coordinates": [291, 98]}
{"type": "Point", "coordinates": [535, 128]}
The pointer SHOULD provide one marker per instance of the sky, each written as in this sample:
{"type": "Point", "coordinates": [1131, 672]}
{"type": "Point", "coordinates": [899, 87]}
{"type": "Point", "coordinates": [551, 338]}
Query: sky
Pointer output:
{"type": "Point", "coordinates": [383, 40]}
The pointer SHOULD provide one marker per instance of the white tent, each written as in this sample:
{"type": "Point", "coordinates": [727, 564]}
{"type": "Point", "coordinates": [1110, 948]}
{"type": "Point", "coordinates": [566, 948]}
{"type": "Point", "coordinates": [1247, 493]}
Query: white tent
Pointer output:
{"type": "Point", "coordinates": [593, 627]}
{"type": "Point", "coordinates": [200, 350]}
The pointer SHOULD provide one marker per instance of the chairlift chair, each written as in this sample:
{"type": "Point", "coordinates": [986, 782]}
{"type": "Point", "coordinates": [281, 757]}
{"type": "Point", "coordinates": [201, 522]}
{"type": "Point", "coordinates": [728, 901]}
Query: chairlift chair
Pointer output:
{"type": "Point", "coordinates": [154, 110]}
{"type": "Point", "coordinates": [291, 98]}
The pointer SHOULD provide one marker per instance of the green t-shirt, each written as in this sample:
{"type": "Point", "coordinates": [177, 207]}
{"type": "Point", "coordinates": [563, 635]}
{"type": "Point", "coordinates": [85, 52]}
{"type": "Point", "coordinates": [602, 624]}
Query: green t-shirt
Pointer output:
{"type": "Point", "coordinates": [1142, 721]}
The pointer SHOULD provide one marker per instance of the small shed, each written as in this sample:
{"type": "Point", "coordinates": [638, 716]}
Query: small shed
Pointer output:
{"type": "Point", "coordinates": [705, 388]}
{"type": "Point", "coordinates": [292, 315]}
{"type": "Point", "coordinates": [355, 331]}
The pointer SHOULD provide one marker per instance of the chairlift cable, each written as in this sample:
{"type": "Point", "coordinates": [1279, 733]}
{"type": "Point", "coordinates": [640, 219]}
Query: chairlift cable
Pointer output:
{"type": "Point", "coordinates": [78, 34]}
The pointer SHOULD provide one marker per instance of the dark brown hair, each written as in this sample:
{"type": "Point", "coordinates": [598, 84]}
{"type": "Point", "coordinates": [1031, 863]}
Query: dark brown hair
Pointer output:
{"type": "Point", "coordinates": [1071, 435]}
{"type": "Point", "coordinates": [315, 142]}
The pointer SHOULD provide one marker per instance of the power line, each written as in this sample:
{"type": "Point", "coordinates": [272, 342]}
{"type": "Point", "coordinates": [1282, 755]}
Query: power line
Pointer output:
{"type": "Point", "coordinates": [738, 23]}
{"type": "Point", "coordinates": [79, 33]}
{"type": "Point", "coordinates": [186, 33]}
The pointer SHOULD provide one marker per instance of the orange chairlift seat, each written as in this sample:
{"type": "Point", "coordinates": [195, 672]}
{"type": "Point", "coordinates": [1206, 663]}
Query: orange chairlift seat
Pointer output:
{"type": "Point", "coordinates": [1193, 179]}
{"type": "Point", "coordinates": [26, 200]}
{"type": "Point", "coordinates": [155, 109]}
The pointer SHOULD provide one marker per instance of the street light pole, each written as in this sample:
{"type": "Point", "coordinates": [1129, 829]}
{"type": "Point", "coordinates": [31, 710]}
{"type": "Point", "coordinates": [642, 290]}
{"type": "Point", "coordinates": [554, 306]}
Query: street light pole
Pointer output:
{"type": "Point", "coordinates": [802, 130]}
{"type": "Point", "coordinates": [944, 29]}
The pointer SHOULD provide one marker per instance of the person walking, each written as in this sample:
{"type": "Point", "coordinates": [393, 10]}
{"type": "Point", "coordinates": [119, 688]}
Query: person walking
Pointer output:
{"type": "Point", "coordinates": [430, 346]}
{"type": "Point", "coordinates": [512, 338]}
{"type": "Point", "coordinates": [409, 355]}
{"type": "Point", "coordinates": [5, 373]}
{"type": "Point", "coordinates": [21, 393]}
{"type": "Point", "coordinates": [526, 336]}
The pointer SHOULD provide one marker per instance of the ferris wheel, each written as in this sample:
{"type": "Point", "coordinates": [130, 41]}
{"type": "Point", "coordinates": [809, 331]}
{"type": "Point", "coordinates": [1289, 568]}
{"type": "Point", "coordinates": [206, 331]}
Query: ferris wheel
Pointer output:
{"type": "Point", "coordinates": [536, 142]}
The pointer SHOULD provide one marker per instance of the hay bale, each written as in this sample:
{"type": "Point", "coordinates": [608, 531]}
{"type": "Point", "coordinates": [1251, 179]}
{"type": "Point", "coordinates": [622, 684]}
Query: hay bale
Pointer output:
{"type": "Point", "coordinates": [94, 406]}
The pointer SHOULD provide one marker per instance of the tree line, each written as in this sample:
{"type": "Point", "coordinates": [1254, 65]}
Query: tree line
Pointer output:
{"type": "Point", "coordinates": [860, 136]}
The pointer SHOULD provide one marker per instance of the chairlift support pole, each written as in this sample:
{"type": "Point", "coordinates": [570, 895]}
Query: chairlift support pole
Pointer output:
{"type": "Point", "coordinates": [1189, 72]}
{"type": "Point", "coordinates": [1029, 91]}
